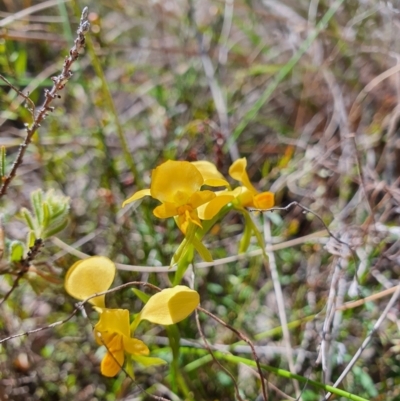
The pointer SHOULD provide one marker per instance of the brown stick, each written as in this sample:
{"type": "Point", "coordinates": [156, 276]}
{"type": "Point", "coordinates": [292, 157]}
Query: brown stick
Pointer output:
{"type": "Point", "coordinates": [50, 95]}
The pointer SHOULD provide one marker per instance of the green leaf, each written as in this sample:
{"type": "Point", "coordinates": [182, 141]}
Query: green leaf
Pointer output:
{"type": "Point", "coordinates": [26, 214]}
{"type": "Point", "coordinates": [178, 253]}
{"type": "Point", "coordinates": [141, 295]}
{"type": "Point", "coordinates": [129, 367]}
{"type": "Point", "coordinates": [20, 63]}
{"type": "Point", "coordinates": [202, 250]}
{"type": "Point", "coordinates": [366, 381]}
{"type": "Point", "coordinates": [183, 264]}
{"type": "Point", "coordinates": [254, 228]}
{"type": "Point", "coordinates": [148, 360]}
{"type": "Point", "coordinates": [46, 214]}
{"type": "Point", "coordinates": [16, 251]}
{"type": "Point", "coordinates": [135, 323]}
{"type": "Point", "coordinates": [37, 200]}
{"type": "Point", "coordinates": [2, 161]}
{"type": "Point", "coordinates": [54, 230]}
{"type": "Point", "coordinates": [246, 237]}
{"type": "Point", "coordinates": [30, 241]}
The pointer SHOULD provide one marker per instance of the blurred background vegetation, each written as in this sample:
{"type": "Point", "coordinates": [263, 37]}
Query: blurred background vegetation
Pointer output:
{"type": "Point", "coordinates": [315, 109]}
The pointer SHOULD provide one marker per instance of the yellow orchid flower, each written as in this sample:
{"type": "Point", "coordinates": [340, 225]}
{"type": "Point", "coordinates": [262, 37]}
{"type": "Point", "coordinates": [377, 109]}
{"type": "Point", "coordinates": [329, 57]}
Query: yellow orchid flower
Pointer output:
{"type": "Point", "coordinates": [90, 276]}
{"type": "Point", "coordinates": [177, 184]}
{"type": "Point", "coordinates": [248, 195]}
{"type": "Point", "coordinates": [113, 331]}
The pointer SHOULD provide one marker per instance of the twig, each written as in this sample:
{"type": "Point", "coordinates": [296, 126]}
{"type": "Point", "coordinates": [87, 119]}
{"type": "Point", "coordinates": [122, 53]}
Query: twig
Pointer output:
{"type": "Point", "coordinates": [243, 338]}
{"type": "Point", "coordinates": [280, 302]}
{"type": "Point", "coordinates": [26, 97]}
{"type": "Point", "coordinates": [306, 209]}
{"type": "Point", "coordinates": [59, 83]}
{"type": "Point", "coordinates": [365, 343]}
{"type": "Point", "coordinates": [359, 302]}
{"type": "Point", "coordinates": [330, 313]}
{"type": "Point", "coordinates": [203, 337]}
{"type": "Point", "coordinates": [25, 264]}
{"type": "Point", "coordinates": [201, 265]}
{"type": "Point", "coordinates": [290, 205]}
{"type": "Point", "coordinates": [79, 306]}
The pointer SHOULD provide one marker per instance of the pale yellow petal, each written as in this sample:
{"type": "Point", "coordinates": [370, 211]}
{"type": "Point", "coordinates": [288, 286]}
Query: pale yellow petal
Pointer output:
{"type": "Point", "coordinates": [90, 276]}
{"type": "Point", "coordinates": [174, 177]}
{"type": "Point", "coordinates": [238, 172]}
{"type": "Point", "coordinates": [212, 208]}
{"type": "Point", "coordinates": [211, 175]}
{"type": "Point", "coordinates": [170, 305]}
{"type": "Point", "coordinates": [200, 198]}
{"type": "Point", "coordinates": [137, 195]}
{"type": "Point", "coordinates": [245, 197]}
{"type": "Point", "coordinates": [135, 347]}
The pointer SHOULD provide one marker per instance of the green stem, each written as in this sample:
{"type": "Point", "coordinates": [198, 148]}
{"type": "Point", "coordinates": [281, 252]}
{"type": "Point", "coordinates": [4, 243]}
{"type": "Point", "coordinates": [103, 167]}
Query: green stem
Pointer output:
{"type": "Point", "coordinates": [177, 380]}
{"type": "Point", "coordinates": [279, 372]}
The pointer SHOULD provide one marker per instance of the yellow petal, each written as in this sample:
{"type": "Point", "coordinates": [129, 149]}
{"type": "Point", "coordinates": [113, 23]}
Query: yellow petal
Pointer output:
{"type": "Point", "coordinates": [211, 209]}
{"type": "Point", "coordinates": [200, 198]}
{"type": "Point", "coordinates": [245, 197]}
{"type": "Point", "coordinates": [165, 210]}
{"type": "Point", "coordinates": [104, 337]}
{"type": "Point", "coordinates": [112, 363]}
{"type": "Point", "coordinates": [90, 276]}
{"type": "Point", "coordinates": [137, 195]}
{"type": "Point", "coordinates": [194, 218]}
{"type": "Point", "coordinates": [175, 177]}
{"type": "Point", "coordinates": [114, 321]}
{"type": "Point", "coordinates": [238, 172]}
{"type": "Point", "coordinates": [170, 305]}
{"type": "Point", "coordinates": [264, 200]}
{"type": "Point", "coordinates": [211, 175]}
{"type": "Point", "coordinates": [182, 222]}
{"type": "Point", "coordinates": [112, 341]}
{"type": "Point", "coordinates": [135, 347]}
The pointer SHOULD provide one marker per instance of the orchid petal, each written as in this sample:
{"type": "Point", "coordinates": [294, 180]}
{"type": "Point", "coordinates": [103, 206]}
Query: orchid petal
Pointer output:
{"type": "Point", "coordinates": [245, 197]}
{"type": "Point", "coordinates": [115, 321]}
{"type": "Point", "coordinates": [170, 305]}
{"type": "Point", "coordinates": [112, 363]}
{"type": "Point", "coordinates": [211, 175]}
{"type": "Point", "coordinates": [200, 198]}
{"type": "Point", "coordinates": [183, 219]}
{"type": "Point", "coordinates": [238, 172]}
{"type": "Point", "coordinates": [90, 276]}
{"type": "Point", "coordinates": [137, 195]}
{"type": "Point", "coordinates": [264, 200]}
{"type": "Point", "coordinates": [173, 176]}
{"type": "Point", "coordinates": [212, 208]}
{"type": "Point", "coordinates": [134, 346]}
{"type": "Point", "coordinates": [165, 210]}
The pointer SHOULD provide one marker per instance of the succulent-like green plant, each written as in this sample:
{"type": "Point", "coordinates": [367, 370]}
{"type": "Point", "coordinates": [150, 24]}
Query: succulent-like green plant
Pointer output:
{"type": "Point", "coordinates": [49, 216]}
